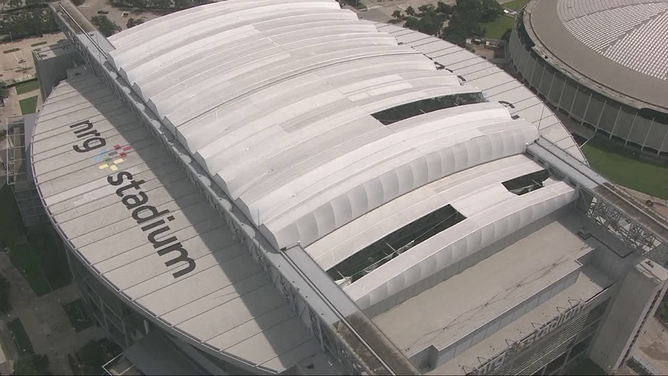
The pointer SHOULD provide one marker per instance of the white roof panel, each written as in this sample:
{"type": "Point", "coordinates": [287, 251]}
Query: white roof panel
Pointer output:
{"type": "Point", "coordinates": [277, 109]}
{"type": "Point", "coordinates": [356, 235]}
{"type": "Point", "coordinates": [497, 84]}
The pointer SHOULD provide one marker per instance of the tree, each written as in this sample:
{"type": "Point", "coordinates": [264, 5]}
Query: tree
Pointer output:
{"type": "Point", "coordinates": [29, 21]}
{"type": "Point", "coordinates": [410, 11]}
{"type": "Point", "coordinates": [96, 353]}
{"type": "Point", "coordinates": [35, 3]}
{"type": "Point", "coordinates": [466, 18]}
{"type": "Point", "coordinates": [429, 22]}
{"type": "Point", "coordinates": [183, 4]}
{"type": "Point", "coordinates": [489, 10]}
{"type": "Point", "coordinates": [92, 354]}
{"type": "Point", "coordinates": [33, 364]}
{"type": "Point", "coordinates": [15, 4]}
{"type": "Point", "coordinates": [443, 8]}
{"type": "Point", "coordinates": [426, 8]}
{"type": "Point", "coordinates": [162, 4]}
{"type": "Point", "coordinates": [460, 28]}
{"type": "Point", "coordinates": [132, 22]}
{"type": "Point", "coordinates": [106, 26]}
{"type": "Point", "coordinates": [5, 306]}
{"type": "Point", "coordinates": [4, 92]}
{"type": "Point", "coordinates": [397, 15]}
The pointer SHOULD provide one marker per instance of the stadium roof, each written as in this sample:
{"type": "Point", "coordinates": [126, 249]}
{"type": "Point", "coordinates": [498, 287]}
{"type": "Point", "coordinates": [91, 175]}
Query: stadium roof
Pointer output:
{"type": "Point", "coordinates": [619, 47]}
{"type": "Point", "coordinates": [310, 120]}
{"type": "Point", "coordinates": [287, 130]}
{"type": "Point", "coordinates": [449, 313]}
{"type": "Point", "coordinates": [325, 130]}
{"type": "Point", "coordinates": [226, 303]}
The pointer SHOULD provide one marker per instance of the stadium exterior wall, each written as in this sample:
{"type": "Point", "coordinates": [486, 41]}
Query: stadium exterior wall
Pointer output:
{"type": "Point", "coordinates": [642, 129]}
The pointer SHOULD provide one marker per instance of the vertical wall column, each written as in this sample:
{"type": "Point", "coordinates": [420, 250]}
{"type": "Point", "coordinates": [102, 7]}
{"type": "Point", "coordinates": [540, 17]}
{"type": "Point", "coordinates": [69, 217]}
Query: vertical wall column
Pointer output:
{"type": "Point", "coordinates": [640, 292]}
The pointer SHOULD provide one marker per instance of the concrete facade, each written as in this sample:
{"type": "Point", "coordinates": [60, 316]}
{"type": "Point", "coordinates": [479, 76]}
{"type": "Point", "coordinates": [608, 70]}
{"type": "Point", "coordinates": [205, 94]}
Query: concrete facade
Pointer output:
{"type": "Point", "coordinates": [639, 297]}
{"type": "Point", "coordinates": [607, 111]}
{"type": "Point", "coordinates": [51, 64]}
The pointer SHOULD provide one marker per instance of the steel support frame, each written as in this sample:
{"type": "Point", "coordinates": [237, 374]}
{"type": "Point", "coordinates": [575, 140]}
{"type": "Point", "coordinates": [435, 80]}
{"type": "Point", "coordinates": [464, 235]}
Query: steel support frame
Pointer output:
{"type": "Point", "coordinates": [619, 224]}
{"type": "Point", "coordinates": [632, 233]}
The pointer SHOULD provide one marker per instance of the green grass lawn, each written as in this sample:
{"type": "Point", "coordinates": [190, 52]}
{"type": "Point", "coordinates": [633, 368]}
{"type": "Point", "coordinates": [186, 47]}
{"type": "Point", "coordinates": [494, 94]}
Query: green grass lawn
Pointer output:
{"type": "Point", "coordinates": [515, 5]}
{"type": "Point", "coordinates": [76, 313]}
{"type": "Point", "coordinates": [28, 105]}
{"type": "Point", "coordinates": [20, 337]}
{"type": "Point", "coordinates": [27, 86]}
{"type": "Point", "coordinates": [622, 167]}
{"type": "Point", "coordinates": [498, 27]}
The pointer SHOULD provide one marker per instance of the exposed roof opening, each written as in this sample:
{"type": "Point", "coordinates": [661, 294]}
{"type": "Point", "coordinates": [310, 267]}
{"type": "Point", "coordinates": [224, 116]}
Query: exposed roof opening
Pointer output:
{"type": "Point", "coordinates": [396, 243]}
{"type": "Point", "coordinates": [527, 183]}
{"type": "Point", "coordinates": [438, 65]}
{"type": "Point", "coordinates": [425, 106]}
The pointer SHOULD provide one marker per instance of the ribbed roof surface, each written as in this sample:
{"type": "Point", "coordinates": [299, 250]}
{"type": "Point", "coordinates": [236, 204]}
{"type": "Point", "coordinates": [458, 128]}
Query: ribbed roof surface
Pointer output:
{"type": "Point", "coordinates": [274, 98]}
{"type": "Point", "coordinates": [631, 33]}
{"type": "Point", "coordinates": [224, 303]}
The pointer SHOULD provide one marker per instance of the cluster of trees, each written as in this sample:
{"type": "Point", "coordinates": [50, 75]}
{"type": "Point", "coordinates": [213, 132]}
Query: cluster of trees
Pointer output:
{"type": "Point", "coordinates": [32, 364]}
{"type": "Point", "coordinates": [4, 92]}
{"type": "Point", "coordinates": [95, 354]}
{"type": "Point", "coordinates": [463, 19]}
{"type": "Point", "coordinates": [158, 4]}
{"type": "Point", "coordinates": [5, 306]}
{"type": "Point", "coordinates": [467, 17]}
{"type": "Point", "coordinates": [28, 22]}
{"type": "Point", "coordinates": [106, 26]}
{"type": "Point", "coordinates": [134, 22]}
{"type": "Point", "coordinates": [13, 4]}
{"type": "Point", "coordinates": [428, 19]}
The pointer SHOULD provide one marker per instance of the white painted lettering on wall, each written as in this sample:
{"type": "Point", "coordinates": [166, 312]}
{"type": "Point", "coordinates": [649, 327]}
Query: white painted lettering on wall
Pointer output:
{"type": "Point", "coordinates": [494, 364]}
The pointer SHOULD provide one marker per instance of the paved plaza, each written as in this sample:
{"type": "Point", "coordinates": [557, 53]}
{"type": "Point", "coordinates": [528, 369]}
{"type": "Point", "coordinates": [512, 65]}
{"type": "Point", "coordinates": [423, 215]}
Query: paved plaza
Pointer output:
{"type": "Point", "coordinates": [44, 320]}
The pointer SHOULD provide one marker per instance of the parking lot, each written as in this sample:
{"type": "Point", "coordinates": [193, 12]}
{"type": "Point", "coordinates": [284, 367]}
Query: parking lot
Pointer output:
{"type": "Point", "coordinates": [17, 65]}
{"type": "Point", "coordinates": [16, 57]}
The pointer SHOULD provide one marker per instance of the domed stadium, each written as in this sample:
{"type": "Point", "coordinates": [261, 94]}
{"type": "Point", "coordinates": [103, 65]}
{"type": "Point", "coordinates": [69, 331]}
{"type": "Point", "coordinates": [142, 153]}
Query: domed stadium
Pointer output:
{"type": "Point", "coordinates": [278, 187]}
{"type": "Point", "coordinates": [602, 63]}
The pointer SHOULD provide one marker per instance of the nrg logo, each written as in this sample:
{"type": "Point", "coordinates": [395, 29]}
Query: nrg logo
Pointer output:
{"type": "Point", "coordinates": [91, 138]}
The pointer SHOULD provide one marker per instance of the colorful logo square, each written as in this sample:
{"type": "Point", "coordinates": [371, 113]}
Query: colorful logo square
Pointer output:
{"type": "Point", "coordinates": [110, 159]}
